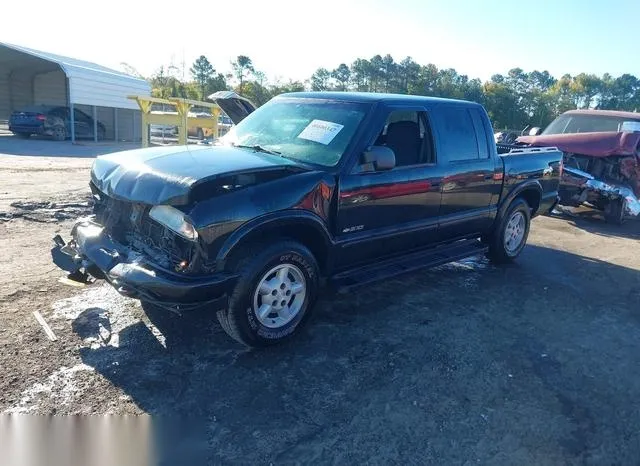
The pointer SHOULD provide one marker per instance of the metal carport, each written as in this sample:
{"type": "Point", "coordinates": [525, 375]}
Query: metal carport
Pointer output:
{"type": "Point", "coordinates": [31, 77]}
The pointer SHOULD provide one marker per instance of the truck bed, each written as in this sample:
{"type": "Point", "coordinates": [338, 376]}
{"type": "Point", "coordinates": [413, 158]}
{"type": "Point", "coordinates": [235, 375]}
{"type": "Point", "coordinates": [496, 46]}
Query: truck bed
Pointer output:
{"type": "Point", "coordinates": [539, 166]}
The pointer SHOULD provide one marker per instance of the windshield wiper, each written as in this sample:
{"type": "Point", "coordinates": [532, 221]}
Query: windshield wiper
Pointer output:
{"type": "Point", "coordinates": [258, 148]}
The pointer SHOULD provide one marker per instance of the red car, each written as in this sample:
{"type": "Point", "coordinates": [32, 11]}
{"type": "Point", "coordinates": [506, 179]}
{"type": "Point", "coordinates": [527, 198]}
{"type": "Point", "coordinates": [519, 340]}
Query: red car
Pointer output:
{"type": "Point", "coordinates": [601, 159]}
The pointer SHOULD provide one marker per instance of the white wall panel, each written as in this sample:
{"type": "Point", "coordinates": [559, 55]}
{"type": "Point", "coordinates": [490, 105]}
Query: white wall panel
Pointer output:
{"type": "Point", "coordinates": [5, 102]}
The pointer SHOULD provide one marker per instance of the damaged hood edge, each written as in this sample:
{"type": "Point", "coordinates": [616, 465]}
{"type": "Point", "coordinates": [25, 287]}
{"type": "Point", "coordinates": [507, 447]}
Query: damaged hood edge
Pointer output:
{"type": "Point", "coordinates": [168, 175]}
{"type": "Point", "coordinates": [602, 144]}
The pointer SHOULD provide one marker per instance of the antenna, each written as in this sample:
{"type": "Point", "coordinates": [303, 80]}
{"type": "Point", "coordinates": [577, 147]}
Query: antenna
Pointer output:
{"type": "Point", "coordinates": [182, 64]}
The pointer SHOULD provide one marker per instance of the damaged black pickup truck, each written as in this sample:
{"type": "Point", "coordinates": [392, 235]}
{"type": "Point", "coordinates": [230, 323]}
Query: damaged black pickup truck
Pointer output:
{"type": "Point", "coordinates": [334, 189]}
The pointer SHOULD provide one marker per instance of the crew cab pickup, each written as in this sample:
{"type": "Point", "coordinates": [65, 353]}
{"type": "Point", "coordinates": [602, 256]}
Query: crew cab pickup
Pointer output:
{"type": "Point", "coordinates": [309, 191]}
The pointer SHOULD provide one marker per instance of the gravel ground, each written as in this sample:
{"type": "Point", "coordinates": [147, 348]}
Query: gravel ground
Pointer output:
{"type": "Point", "coordinates": [534, 363]}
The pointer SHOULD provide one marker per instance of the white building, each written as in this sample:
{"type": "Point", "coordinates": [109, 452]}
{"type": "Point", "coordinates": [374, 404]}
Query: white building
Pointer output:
{"type": "Point", "coordinates": [30, 77]}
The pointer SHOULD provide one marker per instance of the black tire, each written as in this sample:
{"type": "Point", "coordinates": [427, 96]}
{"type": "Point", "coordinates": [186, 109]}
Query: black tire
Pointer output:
{"type": "Point", "coordinates": [59, 133]}
{"type": "Point", "coordinates": [23, 135]}
{"type": "Point", "coordinates": [240, 320]}
{"type": "Point", "coordinates": [499, 253]}
{"type": "Point", "coordinates": [614, 212]}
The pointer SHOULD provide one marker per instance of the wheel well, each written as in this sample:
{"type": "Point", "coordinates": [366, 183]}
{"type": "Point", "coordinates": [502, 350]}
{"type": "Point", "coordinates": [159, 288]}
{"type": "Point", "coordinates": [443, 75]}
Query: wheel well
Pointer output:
{"type": "Point", "coordinates": [532, 197]}
{"type": "Point", "coordinates": [306, 235]}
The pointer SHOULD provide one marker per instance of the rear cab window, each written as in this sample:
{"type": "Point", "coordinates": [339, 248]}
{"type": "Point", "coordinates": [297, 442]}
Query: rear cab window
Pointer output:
{"type": "Point", "coordinates": [460, 134]}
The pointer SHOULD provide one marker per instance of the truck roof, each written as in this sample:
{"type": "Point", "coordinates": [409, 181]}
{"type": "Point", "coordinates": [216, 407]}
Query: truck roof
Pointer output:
{"type": "Point", "coordinates": [375, 97]}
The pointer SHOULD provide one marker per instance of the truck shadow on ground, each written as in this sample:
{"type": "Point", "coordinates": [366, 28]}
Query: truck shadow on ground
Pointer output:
{"type": "Point", "coordinates": [422, 355]}
{"type": "Point", "coordinates": [592, 221]}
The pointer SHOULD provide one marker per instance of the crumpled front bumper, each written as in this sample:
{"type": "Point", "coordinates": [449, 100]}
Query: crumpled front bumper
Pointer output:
{"type": "Point", "coordinates": [93, 252]}
{"type": "Point", "coordinates": [586, 186]}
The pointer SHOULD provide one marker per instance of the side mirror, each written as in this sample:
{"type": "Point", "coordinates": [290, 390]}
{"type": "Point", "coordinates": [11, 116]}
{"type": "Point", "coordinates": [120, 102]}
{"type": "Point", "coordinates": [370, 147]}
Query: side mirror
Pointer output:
{"type": "Point", "coordinates": [378, 158]}
{"type": "Point", "coordinates": [535, 131]}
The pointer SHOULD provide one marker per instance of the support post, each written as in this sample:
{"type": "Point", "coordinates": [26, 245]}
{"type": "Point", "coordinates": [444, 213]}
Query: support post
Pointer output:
{"type": "Point", "coordinates": [95, 124]}
{"type": "Point", "coordinates": [72, 123]}
{"type": "Point", "coordinates": [183, 110]}
{"type": "Point", "coordinates": [215, 113]}
{"type": "Point", "coordinates": [145, 108]}
{"type": "Point", "coordinates": [181, 118]}
{"type": "Point", "coordinates": [115, 124]}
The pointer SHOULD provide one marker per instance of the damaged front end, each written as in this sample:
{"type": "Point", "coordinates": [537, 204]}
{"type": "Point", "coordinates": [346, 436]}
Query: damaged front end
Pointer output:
{"type": "Point", "coordinates": [617, 201]}
{"type": "Point", "coordinates": [141, 257]}
{"type": "Point", "coordinates": [601, 170]}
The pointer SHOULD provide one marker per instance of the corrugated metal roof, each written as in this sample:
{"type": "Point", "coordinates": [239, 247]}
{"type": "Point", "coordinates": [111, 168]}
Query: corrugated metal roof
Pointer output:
{"type": "Point", "coordinates": [68, 64]}
{"type": "Point", "coordinates": [90, 83]}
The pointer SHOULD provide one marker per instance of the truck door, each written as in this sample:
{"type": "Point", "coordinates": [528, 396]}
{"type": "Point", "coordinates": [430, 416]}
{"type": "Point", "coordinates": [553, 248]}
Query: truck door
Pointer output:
{"type": "Point", "coordinates": [469, 180]}
{"type": "Point", "coordinates": [386, 212]}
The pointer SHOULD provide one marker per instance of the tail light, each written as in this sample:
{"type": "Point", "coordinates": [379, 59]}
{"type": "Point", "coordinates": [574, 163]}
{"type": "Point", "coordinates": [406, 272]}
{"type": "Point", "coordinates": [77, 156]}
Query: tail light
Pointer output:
{"type": "Point", "coordinates": [41, 117]}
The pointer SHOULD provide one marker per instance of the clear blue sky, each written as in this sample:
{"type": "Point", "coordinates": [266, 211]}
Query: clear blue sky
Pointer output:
{"type": "Point", "coordinates": [287, 38]}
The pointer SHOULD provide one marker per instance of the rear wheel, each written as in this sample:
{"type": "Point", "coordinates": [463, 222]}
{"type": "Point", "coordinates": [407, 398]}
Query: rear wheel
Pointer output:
{"type": "Point", "coordinates": [59, 133]}
{"type": "Point", "coordinates": [510, 237]}
{"type": "Point", "coordinates": [274, 295]}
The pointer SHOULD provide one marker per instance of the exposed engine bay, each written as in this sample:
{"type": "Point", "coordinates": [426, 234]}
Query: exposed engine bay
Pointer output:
{"type": "Point", "coordinates": [601, 158]}
{"type": "Point", "coordinates": [129, 223]}
{"type": "Point", "coordinates": [610, 184]}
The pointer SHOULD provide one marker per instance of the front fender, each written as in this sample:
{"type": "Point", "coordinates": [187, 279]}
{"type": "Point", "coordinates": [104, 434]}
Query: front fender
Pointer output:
{"type": "Point", "coordinates": [264, 223]}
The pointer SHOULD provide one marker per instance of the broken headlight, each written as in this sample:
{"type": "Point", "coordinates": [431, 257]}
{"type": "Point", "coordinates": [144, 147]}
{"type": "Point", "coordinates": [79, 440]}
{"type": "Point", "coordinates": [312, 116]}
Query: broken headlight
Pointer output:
{"type": "Point", "coordinates": [175, 220]}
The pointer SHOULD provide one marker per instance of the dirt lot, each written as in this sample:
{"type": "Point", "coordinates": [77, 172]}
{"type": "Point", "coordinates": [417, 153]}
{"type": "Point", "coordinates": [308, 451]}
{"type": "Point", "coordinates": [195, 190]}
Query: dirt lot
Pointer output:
{"type": "Point", "coordinates": [535, 363]}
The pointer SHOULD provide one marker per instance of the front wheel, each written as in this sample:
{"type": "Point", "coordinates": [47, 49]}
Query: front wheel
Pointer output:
{"type": "Point", "coordinates": [510, 237]}
{"type": "Point", "coordinates": [274, 295]}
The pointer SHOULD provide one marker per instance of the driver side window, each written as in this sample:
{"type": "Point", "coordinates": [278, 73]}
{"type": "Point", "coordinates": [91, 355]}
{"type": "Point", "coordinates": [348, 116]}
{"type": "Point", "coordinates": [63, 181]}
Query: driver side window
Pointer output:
{"type": "Point", "coordinates": [408, 134]}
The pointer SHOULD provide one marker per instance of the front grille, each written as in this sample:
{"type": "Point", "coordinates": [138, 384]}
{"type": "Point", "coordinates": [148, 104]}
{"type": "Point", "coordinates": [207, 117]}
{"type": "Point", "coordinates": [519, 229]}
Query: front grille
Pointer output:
{"type": "Point", "coordinates": [129, 224]}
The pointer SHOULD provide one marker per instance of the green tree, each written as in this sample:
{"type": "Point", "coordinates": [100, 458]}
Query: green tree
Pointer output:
{"type": "Point", "coordinates": [389, 72]}
{"type": "Point", "coordinates": [290, 86]}
{"type": "Point", "coordinates": [256, 92]}
{"type": "Point", "coordinates": [501, 105]}
{"type": "Point", "coordinates": [621, 93]}
{"type": "Point", "coordinates": [342, 75]}
{"type": "Point", "coordinates": [586, 87]}
{"type": "Point", "coordinates": [376, 73]}
{"type": "Point", "coordinates": [563, 95]}
{"type": "Point", "coordinates": [408, 72]}
{"type": "Point", "coordinates": [203, 73]}
{"type": "Point", "coordinates": [320, 80]}
{"type": "Point", "coordinates": [242, 67]}
{"type": "Point", "coordinates": [360, 73]}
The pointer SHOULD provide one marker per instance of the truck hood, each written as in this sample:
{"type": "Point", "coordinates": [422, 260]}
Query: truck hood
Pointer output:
{"type": "Point", "coordinates": [602, 144]}
{"type": "Point", "coordinates": [167, 175]}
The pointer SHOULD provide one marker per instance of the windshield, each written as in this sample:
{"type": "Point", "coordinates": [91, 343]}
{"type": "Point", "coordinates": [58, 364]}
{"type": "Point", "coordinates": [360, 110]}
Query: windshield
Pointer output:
{"type": "Point", "coordinates": [590, 124]}
{"type": "Point", "coordinates": [309, 130]}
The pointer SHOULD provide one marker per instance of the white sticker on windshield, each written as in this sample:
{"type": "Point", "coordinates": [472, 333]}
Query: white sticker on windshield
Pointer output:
{"type": "Point", "coordinates": [321, 131]}
{"type": "Point", "coordinates": [630, 126]}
